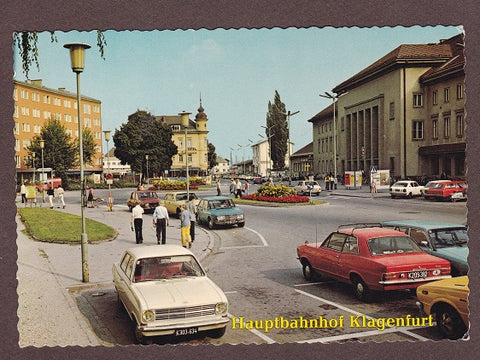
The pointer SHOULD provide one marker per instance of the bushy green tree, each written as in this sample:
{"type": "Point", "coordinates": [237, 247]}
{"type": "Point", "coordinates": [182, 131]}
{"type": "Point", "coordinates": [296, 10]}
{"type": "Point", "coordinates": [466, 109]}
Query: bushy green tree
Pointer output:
{"type": "Point", "coordinates": [59, 153]}
{"type": "Point", "coordinates": [212, 156]}
{"type": "Point", "coordinates": [278, 127]}
{"type": "Point", "coordinates": [142, 135]}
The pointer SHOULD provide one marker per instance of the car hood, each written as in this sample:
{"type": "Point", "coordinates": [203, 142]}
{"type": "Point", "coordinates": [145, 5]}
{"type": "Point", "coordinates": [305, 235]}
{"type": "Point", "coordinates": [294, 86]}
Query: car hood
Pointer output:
{"type": "Point", "coordinates": [231, 211]}
{"type": "Point", "coordinates": [149, 201]}
{"type": "Point", "coordinates": [454, 283]}
{"type": "Point", "coordinates": [456, 254]}
{"type": "Point", "coordinates": [410, 260]}
{"type": "Point", "coordinates": [182, 292]}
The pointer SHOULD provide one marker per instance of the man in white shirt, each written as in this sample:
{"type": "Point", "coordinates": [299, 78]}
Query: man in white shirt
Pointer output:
{"type": "Point", "coordinates": [160, 221]}
{"type": "Point", "coordinates": [137, 222]}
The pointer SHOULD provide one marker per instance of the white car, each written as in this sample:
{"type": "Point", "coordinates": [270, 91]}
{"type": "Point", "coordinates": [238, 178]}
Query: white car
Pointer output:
{"type": "Point", "coordinates": [165, 291]}
{"type": "Point", "coordinates": [308, 187]}
{"type": "Point", "coordinates": [405, 188]}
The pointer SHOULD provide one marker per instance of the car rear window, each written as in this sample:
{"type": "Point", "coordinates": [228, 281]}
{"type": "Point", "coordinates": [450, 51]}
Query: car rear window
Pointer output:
{"type": "Point", "coordinates": [392, 245]}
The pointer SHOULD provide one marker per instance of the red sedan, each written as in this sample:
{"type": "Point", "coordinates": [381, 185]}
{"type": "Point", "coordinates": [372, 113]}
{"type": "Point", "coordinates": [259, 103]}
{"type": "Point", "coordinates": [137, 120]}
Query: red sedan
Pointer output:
{"type": "Point", "coordinates": [371, 258]}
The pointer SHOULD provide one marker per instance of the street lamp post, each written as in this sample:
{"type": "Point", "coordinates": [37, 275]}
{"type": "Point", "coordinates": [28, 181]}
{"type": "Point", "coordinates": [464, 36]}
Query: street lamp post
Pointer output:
{"type": "Point", "coordinates": [110, 200]}
{"type": "Point", "coordinates": [146, 158]}
{"type": "Point", "coordinates": [33, 165]}
{"type": "Point", "coordinates": [288, 114]}
{"type": "Point", "coordinates": [185, 121]}
{"type": "Point", "coordinates": [77, 57]}
{"type": "Point", "coordinates": [334, 98]}
{"type": "Point", "coordinates": [42, 145]}
{"type": "Point", "coordinates": [269, 136]}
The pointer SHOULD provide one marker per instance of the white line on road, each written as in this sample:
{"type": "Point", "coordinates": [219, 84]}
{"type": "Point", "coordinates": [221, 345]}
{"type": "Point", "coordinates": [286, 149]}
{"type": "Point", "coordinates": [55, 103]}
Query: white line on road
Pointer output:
{"type": "Point", "coordinates": [315, 283]}
{"type": "Point", "coordinates": [265, 244]}
{"type": "Point", "coordinates": [230, 292]}
{"type": "Point", "coordinates": [259, 235]}
{"type": "Point", "coordinates": [402, 330]}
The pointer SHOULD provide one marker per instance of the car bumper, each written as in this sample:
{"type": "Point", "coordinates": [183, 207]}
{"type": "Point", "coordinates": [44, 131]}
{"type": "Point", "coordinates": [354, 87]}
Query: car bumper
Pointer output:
{"type": "Point", "coordinates": [228, 221]}
{"type": "Point", "coordinates": [169, 329]}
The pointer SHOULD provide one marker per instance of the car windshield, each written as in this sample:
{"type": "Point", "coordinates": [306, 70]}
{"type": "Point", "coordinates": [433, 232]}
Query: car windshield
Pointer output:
{"type": "Point", "coordinates": [221, 204]}
{"type": "Point", "coordinates": [401, 184]}
{"type": "Point", "coordinates": [146, 195]}
{"type": "Point", "coordinates": [169, 267]}
{"type": "Point", "coordinates": [449, 237]}
{"type": "Point", "coordinates": [392, 245]}
{"type": "Point", "coordinates": [181, 197]}
{"type": "Point", "coordinates": [436, 186]}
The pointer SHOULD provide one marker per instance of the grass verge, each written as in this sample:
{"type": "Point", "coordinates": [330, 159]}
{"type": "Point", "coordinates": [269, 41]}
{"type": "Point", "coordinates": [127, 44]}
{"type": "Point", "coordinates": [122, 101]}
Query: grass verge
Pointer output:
{"type": "Point", "coordinates": [275, 204]}
{"type": "Point", "coordinates": [57, 227]}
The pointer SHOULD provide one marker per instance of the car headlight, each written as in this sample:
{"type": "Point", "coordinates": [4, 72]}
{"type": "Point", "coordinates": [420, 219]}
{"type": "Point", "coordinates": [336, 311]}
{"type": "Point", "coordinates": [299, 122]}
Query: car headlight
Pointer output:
{"type": "Point", "coordinates": [148, 316]}
{"type": "Point", "coordinates": [240, 217]}
{"type": "Point", "coordinates": [221, 308]}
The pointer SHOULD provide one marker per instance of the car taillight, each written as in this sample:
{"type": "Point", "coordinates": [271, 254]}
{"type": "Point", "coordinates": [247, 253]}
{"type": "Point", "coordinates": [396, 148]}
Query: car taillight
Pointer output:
{"type": "Point", "coordinates": [389, 276]}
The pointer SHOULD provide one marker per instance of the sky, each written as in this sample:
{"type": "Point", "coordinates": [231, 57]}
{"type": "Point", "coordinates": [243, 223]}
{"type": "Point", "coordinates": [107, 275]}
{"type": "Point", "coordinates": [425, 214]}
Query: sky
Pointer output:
{"type": "Point", "coordinates": [235, 72]}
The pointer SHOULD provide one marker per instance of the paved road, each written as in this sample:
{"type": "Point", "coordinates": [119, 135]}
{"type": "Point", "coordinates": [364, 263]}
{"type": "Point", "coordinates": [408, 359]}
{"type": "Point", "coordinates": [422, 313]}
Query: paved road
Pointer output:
{"type": "Point", "coordinates": [256, 266]}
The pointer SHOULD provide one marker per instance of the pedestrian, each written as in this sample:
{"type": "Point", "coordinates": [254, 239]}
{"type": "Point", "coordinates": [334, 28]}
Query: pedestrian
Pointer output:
{"type": "Point", "coordinates": [139, 186]}
{"type": "Point", "coordinates": [327, 182]}
{"type": "Point", "coordinates": [23, 192]}
{"type": "Point", "coordinates": [136, 222]}
{"type": "Point", "coordinates": [219, 189]}
{"type": "Point", "coordinates": [232, 187]}
{"type": "Point", "coordinates": [238, 189]}
{"type": "Point", "coordinates": [373, 187]}
{"type": "Point", "coordinates": [185, 227]}
{"type": "Point", "coordinates": [335, 182]}
{"type": "Point", "coordinates": [90, 198]}
{"type": "Point", "coordinates": [61, 193]}
{"type": "Point", "coordinates": [246, 187]}
{"type": "Point", "coordinates": [161, 221]}
{"type": "Point", "coordinates": [192, 209]}
{"type": "Point", "coordinates": [50, 194]}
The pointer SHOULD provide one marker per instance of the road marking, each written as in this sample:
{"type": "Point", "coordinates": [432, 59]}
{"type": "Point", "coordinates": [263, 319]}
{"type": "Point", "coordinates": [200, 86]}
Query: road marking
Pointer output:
{"type": "Point", "coordinates": [315, 283]}
{"type": "Point", "coordinates": [341, 307]}
{"type": "Point", "coordinates": [258, 333]}
{"type": "Point", "coordinates": [230, 292]}
{"type": "Point", "coordinates": [259, 235]}
{"type": "Point", "coordinates": [360, 334]}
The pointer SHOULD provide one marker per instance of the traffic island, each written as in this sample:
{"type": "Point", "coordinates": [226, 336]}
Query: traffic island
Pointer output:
{"type": "Point", "coordinates": [53, 226]}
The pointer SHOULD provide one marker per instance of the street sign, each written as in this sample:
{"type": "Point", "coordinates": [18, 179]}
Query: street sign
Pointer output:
{"type": "Point", "coordinates": [373, 169]}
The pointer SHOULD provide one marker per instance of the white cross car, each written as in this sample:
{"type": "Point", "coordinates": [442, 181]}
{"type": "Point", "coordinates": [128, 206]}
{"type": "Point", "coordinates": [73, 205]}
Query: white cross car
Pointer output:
{"type": "Point", "coordinates": [405, 188]}
{"type": "Point", "coordinates": [165, 291]}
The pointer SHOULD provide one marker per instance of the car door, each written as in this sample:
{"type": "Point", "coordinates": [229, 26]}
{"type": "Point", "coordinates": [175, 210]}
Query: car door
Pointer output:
{"type": "Point", "coordinates": [331, 251]}
{"type": "Point", "coordinates": [348, 259]}
{"type": "Point", "coordinates": [168, 202]}
{"type": "Point", "coordinates": [201, 209]}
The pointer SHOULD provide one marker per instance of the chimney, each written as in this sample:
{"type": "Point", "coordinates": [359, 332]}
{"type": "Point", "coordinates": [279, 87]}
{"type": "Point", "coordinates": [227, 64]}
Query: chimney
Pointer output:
{"type": "Point", "coordinates": [37, 82]}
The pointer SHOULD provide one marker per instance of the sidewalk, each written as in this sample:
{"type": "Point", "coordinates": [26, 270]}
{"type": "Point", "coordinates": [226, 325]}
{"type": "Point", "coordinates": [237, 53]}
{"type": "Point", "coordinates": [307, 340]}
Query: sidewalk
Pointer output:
{"type": "Point", "coordinates": [363, 192]}
{"type": "Point", "coordinates": [48, 315]}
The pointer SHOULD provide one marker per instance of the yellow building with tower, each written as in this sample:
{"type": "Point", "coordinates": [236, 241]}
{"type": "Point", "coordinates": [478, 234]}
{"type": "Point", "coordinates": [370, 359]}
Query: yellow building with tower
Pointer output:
{"type": "Point", "coordinates": [195, 147]}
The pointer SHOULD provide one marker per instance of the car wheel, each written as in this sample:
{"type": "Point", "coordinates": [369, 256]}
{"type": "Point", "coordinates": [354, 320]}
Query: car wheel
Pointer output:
{"type": "Point", "coordinates": [393, 196]}
{"type": "Point", "coordinates": [308, 272]}
{"type": "Point", "coordinates": [217, 333]}
{"type": "Point", "coordinates": [177, 212]}
{"type": "Point", "coordinates": [242, 224]}
{"type": "Point", "coordinates": [409, 195]}
{"type": "Point", "coordinates": [211, 225]}
{"type": "Point", "coordinates": [449, 323]}
{"type": "Point", "coordinates": [360, 288]}
{"type": "Point", "coordinates": [144, 340]}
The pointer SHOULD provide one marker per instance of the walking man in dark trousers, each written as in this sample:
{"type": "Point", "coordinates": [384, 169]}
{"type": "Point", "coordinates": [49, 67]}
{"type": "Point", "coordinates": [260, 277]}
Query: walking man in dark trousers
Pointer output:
{"type": "Point", "coordinates": [160, 221]}
{"type": "Point", "coordinates": [137, 223]}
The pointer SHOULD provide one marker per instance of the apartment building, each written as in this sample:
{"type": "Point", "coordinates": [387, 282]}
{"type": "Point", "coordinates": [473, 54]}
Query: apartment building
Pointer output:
{"type": "Point", "coordinates": [34, 104]}
{"type": "Point", "coordinates": [405, 113]}
{"type": "Point", "coordinates": [196, 146]}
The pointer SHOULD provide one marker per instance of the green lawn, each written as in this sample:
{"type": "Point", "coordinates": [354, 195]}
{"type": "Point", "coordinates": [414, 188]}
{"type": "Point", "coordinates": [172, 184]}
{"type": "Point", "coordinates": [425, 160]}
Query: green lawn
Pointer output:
{"type": "Point", "coordinates": [54, 226]}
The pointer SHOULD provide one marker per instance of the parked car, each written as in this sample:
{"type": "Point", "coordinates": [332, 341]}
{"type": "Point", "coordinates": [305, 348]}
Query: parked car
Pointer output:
{"type": "Point", "coordinates": [425, 187]}
{"type": "Point", "coordinates": [446, 189]}
{"type": "Point", "coordinates": [306, 187]}
{"type": "Point", "coordinates": [448, 301]}
{"type": "Point", "coordinates": [148, 199]}
{"type": "Point", "coordinates": [259, 180]}
{"type": "Point", "coordinates": [172, 201]}
{"type": "Point", "coordinates": [371, 258]}
{"type": "Point", "coordinates": [445, 240]}
{"type": "Point", "coordinates": [405, 188]}
{"type": "Point", "coordinates": [219, 210]}
{"type": "Point", "coordinates": [165, 291]}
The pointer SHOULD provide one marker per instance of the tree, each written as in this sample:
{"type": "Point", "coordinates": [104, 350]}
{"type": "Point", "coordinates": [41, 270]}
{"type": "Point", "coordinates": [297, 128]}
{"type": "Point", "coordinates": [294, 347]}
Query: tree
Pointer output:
{"type": "Point", "coordinates": [143, 135]}
{"type": "Point", "coordinates": [212, 156]}
{"type": "Point", "coordinates": [27, 43]}
{"type": "Point", "coordinates": [278, 127]}
{"type": "Point", "coordinates": [59, 153]}
{"type": "Point", "coordinates": [89, 147]}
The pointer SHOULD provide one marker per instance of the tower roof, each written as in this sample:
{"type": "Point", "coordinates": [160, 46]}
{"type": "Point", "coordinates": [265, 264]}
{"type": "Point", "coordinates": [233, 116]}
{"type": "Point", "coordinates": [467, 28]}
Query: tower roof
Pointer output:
{"type": "Point", "coordinates": [201, 115]}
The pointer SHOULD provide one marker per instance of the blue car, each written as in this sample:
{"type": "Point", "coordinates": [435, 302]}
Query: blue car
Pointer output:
{"type": "Point", "coordinates": [444, 240]}
{"type": "Point", "coordinates": [219, 210]}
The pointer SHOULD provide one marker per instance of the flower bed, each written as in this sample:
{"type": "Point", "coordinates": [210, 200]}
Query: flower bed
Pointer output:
{"type": "Point", "coordinates": [173, 185]}
{"type": "Point", "coordinates": [292, 199]}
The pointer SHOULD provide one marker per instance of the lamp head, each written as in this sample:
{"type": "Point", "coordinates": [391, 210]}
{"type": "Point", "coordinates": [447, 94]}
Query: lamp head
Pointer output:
{"type": "Point", "coordinates": [107, 135]}
{"type": "Point", "coordinates": [77, 55]}
{"type": "Point", "coordinates": [42, 144]}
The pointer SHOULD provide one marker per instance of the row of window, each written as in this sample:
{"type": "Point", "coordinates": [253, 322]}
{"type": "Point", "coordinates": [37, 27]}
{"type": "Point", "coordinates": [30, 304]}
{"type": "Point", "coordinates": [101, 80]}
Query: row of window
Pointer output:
{"type": "Point", "coordinates": [418, 97]}
{"type": "Point", "coordinates": [418, 127]}
{"type": "Point", "coordinates": [181, 158]}
{"type": "Point", "coordinates": [47, 99]}
{"type": "Point", "coordinates": [36, 113]}
{"type": "Point", "coordinates": [180, 143]}
{"type": "Point", "coordinates": [26, 128]}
